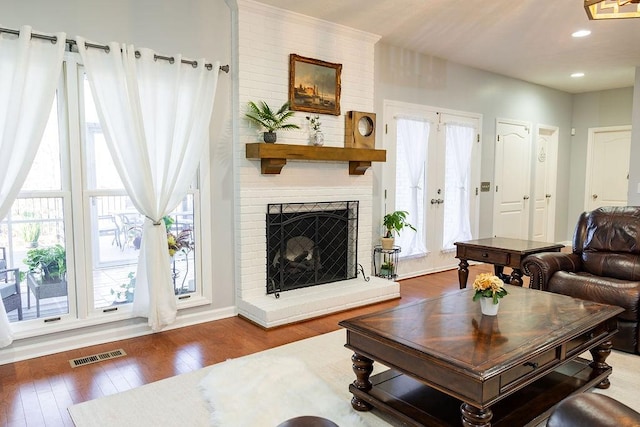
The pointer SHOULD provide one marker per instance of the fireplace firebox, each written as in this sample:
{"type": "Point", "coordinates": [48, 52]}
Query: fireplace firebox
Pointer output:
{"type": "Point", "coordinates": [311, 244]}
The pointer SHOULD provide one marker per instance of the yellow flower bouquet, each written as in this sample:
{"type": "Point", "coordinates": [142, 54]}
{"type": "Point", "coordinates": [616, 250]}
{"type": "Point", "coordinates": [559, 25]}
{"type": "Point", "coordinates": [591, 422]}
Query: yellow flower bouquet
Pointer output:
{"type": "Point", "coordinates": [488, 286]}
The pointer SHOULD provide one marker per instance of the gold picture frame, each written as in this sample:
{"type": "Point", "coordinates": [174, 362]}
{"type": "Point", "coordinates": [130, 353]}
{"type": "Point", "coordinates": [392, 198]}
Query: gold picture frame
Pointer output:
{"type": "Point", "coordinates": [314, 85]}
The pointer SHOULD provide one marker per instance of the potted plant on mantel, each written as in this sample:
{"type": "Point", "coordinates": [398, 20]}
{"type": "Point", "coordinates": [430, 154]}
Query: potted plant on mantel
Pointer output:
{"type": "Point", "coordinates": [262, 115]}
{"type": "Point", "coordinates": [394, 222]}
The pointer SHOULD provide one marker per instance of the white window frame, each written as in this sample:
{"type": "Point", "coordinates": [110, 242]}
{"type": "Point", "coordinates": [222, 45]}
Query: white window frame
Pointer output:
{"type": "Point", "coordinates": [78, 241]}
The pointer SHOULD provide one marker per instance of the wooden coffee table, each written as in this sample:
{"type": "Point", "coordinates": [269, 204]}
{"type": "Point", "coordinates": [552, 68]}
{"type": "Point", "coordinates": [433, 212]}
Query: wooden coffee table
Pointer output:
{"type": "Point", "coordinates": [501, 252]}
{"type": "Point", "coordinates": [450, 363]}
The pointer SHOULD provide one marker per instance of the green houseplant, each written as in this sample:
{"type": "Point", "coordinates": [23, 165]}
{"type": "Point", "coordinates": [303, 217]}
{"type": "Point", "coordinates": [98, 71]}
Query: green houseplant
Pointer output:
{"type": "Point", "coordinates": [393, 223]}
{"type": "Point", "coordinates": [262, 115]}
{"type": "Point", "coordinates": [31, 234]}
{"type": "Point", "coordinates": [49, 262]}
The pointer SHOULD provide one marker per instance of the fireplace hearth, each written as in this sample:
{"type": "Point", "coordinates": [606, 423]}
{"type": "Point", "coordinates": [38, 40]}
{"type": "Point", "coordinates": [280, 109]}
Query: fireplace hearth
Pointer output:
{"type": "Point", "coordinates": [310, 244]}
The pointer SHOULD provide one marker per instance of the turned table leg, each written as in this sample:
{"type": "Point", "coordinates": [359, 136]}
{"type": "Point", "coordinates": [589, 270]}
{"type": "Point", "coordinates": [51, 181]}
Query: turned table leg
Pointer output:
{"type": "Point", "coordinates": [516, 277]}
{"type": "Point", "coordinates": [362, 367]}
{"type": "Point", "coordinates": [474, 417]}
{"type": "Point", "coordinates": [599, 355]}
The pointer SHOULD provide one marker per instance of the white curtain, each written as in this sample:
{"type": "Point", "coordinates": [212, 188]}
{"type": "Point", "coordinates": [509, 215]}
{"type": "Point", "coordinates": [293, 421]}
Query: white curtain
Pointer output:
{"type": "Point", "coordinates": [412, 145]}
{"type": "Point", "coordinates": [459, 145]}
{"type": "Point", "coordinates": [29, 72]}
{"type": "Point", "coordinates": [155, 116]}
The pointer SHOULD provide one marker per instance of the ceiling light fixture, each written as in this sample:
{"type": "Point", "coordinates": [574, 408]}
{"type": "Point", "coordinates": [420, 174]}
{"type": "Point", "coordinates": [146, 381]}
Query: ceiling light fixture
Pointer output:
{"type": "Point", "coordinates": [576, 75]}
{"type": "Point", "coordinates": [612, 9]}
{"type": "Point", "coordinates": [581, 33]}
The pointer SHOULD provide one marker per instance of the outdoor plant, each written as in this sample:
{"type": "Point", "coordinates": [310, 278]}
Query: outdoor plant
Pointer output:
{"type": "Point", "coordinates": [31, 233]}
{"type": "Point", "coordinates": [262, 115]}
{"type": "Point", "coordinates": [394, 222]}
{"type": "Point", "coordinates": [487, 285]}
{"type": "Point", "coordinates": [124, 293]}
{"type": "Point", "coordinates": [49, 262]}
{"type": "Point", "coordinates": [177, 241]}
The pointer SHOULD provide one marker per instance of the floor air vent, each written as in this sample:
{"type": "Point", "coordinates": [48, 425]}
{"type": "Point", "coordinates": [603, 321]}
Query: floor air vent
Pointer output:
{"type": "Point", "coordinates": [80, 361]}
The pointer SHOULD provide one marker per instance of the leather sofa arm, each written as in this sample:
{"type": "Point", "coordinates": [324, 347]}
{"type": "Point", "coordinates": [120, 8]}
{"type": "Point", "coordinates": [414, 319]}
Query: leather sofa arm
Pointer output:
{"type": "Point", "coordinates": [542, 266]}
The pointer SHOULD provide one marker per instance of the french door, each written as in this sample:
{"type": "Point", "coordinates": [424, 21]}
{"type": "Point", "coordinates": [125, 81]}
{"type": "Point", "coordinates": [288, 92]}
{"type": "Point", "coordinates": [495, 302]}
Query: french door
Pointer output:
{"type": "Point", "coordinates": [432, 172]}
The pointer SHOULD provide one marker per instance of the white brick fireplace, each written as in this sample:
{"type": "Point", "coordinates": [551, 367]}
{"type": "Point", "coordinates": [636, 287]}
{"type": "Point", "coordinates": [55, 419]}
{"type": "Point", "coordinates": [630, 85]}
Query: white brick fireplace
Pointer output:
{"type": "Point", "coordinates": [266, 37]}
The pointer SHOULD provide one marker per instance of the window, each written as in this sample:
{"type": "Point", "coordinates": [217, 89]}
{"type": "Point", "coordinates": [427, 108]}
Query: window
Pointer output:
{"type": "Point", "coordinates": [411, 161]}
{"type": "Point", "coordinates": [73, 197]}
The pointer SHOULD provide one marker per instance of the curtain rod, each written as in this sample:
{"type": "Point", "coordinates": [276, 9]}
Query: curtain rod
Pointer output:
{"type": "Point", "coordinates": [106, 48]}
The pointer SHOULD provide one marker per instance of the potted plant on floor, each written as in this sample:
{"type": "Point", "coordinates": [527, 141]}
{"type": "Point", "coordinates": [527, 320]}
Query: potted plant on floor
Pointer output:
{"type": "Point", "coordinates": [393, 223]}
{"type": "Point", "coordinates": [262, 115]}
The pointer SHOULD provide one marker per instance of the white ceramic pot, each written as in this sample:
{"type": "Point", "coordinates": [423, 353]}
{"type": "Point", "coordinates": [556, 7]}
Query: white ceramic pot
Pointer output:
{"type": "Point", "coordinates": [487, 306]}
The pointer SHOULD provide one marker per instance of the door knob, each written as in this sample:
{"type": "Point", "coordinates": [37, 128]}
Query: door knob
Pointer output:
{"type": "Point", "coordinates": [548, 196]}
{"type": "Point", "coordinates": [526, 197]}
{"type": "Point", "coordinates": [434, 201]}
{"type": "Point", "coordinates": [440, 201]}
{"type": "Point", "coordinates": [595, 196]}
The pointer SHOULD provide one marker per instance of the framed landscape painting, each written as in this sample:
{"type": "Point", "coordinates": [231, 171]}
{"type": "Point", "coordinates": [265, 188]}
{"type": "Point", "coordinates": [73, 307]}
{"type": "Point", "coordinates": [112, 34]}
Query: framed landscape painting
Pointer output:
{"type": "Point", "coordinates": [314, 85]}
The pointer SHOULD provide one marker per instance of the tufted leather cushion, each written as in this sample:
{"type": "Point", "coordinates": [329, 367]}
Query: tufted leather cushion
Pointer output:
{"type": "Point", "coordinates": [605, 290]}
{"type": "Point", "coordinates": [611, 243]}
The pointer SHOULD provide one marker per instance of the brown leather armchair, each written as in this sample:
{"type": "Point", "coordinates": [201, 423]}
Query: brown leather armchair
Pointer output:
{"type": "Point", "coordinates": [604, 266]}
{"type": "Point", "coordinates": [593, 410]}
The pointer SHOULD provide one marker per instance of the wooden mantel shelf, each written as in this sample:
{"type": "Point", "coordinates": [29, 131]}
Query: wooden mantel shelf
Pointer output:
{"type": "Point", "coordinates": [273, 157]}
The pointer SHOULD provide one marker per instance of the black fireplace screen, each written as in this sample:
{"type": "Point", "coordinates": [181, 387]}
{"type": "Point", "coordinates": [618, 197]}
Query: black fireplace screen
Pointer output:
{"type": "Point", "coordinates": [311, 244]}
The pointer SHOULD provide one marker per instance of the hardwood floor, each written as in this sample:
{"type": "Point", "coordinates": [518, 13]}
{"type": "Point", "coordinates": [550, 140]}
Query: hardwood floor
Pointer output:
{"type": "Point", "coordinates": [37, 392]}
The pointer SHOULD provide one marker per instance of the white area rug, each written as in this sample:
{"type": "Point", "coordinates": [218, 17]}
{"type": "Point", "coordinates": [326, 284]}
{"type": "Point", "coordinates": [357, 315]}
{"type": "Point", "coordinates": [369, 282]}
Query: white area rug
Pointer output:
{"type": "Point", "coordinates": [179, 401]}
{"type": "Point", "coordinates": [284, 387]}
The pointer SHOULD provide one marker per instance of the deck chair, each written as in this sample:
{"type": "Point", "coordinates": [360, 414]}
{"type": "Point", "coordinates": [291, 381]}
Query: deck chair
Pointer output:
{"type": "Point", "coordinates": [10, 286]}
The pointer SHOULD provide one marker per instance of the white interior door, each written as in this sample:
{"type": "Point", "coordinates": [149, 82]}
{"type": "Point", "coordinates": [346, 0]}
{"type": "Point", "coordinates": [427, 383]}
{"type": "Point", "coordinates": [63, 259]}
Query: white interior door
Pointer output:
{"type": "Point", "coordinates": [607, 180]}
{"type": "Point", "coordinates": [544, 197]}
{"type": "Point", "coordinates": [512, 179]}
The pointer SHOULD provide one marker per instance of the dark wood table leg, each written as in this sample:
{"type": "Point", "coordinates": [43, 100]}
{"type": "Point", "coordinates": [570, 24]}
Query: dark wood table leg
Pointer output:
{"type": "Point", "coordinates": [516, 277]}
{"type": "Point", "coordinates": [463, 273]}
{"type": "Point", "coordinates": [600, 354]}
{"type": "Point", "coordinates": [474, 417]}
{"type": "Point", "coordinates": [498, 271]}
{"type": "Point", "coordinates": [362, 367]}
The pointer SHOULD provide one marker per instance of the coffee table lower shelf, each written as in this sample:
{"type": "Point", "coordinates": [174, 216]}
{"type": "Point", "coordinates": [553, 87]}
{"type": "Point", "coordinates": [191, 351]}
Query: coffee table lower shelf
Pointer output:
{"type": "Point", "coordinates": [417, 404]}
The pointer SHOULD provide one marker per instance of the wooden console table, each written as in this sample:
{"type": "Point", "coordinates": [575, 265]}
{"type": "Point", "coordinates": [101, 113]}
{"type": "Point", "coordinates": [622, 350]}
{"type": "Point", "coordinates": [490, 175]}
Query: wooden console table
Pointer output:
{"type": "Point", "coordinates": [501, 252]}
{"type": "Point", "coordinates": [451, 365]}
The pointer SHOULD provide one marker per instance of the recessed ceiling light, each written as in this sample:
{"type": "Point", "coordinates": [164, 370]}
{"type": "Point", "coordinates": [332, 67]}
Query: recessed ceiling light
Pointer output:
{"type": "Point", "coordinates": [575, 75]}
{"type": "Point", "coordinates": [581, 33]}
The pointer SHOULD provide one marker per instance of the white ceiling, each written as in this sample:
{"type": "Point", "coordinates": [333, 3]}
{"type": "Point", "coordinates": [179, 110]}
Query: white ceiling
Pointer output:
{"type": "Point", "coordinates": [525, 39]}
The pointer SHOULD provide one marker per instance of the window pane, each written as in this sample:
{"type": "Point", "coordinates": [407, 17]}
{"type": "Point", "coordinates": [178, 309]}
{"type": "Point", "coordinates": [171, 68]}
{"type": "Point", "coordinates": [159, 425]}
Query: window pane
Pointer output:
{"type": "Point", "coordinates": [411, 158]}
{"type": "Point", "coordinates": [32, 236]}
{"type": "Point", "coordinates": [101, 172]}
{"type": "Point", "coordinates": [457, 223]}
{"type": "Point", "coordinates": [45, 172]}
{"type": "Point", "coordinates": [116, 238]}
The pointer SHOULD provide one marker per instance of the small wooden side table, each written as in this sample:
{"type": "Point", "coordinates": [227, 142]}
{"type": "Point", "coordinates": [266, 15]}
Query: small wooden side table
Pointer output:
{"type": "Point", "coordinates": [501, 252]}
